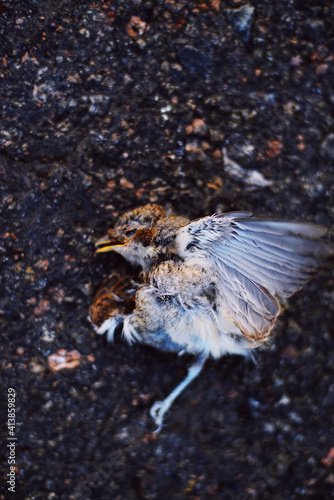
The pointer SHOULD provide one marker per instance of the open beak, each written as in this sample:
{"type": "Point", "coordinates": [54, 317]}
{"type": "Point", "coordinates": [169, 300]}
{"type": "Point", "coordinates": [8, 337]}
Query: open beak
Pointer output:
{"type": "Point", "coordinates": [108, 243]}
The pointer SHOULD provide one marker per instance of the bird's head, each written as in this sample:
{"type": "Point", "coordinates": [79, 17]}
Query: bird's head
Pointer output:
{"type": "Point", "coordinates": [134, 235]}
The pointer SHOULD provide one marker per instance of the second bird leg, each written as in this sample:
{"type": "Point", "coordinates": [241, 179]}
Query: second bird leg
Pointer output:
{"type": "Point", "coordinates": [159, 408]}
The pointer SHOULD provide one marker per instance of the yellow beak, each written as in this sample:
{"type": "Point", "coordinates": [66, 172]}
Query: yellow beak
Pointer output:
{"type": "Point", "coordinates": [108, 248]}
{"type": "Point", "coordinates": [108, 244]}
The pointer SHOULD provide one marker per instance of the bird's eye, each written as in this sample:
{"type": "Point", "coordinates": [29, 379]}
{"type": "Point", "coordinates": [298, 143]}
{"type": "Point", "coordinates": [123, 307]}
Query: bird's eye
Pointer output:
{"type": "Point", "coordinates": [130, 232]}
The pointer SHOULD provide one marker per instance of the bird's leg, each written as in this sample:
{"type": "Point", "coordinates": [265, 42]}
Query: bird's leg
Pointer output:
{"type": "Point", "coordinates": [159, 408]}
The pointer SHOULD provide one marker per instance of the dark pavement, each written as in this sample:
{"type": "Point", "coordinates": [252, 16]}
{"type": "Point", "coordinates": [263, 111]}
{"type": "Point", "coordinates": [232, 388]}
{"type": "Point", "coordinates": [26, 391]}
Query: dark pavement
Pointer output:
{"type": "Point", "coordinates": [206, 105]}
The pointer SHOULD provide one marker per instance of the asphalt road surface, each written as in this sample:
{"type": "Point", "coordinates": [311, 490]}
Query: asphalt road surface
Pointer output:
{"type": "Point", "coordinates": [208, 106]}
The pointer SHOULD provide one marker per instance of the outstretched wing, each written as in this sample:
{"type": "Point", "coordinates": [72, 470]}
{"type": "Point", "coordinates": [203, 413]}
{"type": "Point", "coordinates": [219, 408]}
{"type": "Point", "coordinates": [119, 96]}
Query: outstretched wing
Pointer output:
{"type": "Point", "coordinates": [254, 260]}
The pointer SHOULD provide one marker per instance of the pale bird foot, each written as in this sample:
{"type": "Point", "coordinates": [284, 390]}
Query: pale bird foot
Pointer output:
{"type": "Point", "coordinates": [157, 412]}
{"type": "Point", "coordinates": [159, 408]}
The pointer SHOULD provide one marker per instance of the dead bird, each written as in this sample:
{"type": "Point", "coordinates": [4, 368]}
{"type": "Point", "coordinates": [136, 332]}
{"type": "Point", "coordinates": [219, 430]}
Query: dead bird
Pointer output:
{"type": "Point", "coordinates": [210, 286]}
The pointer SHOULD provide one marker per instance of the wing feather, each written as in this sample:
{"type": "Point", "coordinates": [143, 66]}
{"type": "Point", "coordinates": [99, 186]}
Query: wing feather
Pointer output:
{"type": "Point", "coordinates": [254, 260]}
{"type": "Point", "coordinates": [309, 230]}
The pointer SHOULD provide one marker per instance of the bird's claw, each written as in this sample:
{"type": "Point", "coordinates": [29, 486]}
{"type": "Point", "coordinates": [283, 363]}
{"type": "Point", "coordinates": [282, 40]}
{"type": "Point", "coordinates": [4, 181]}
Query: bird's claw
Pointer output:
{"type": "Point", "coordinates": [159, 408]}
{"type": "Point", "coordinates": [157, 412]}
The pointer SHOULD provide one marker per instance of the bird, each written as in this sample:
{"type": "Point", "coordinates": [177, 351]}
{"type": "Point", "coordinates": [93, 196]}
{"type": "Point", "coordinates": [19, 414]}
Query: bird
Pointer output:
{"type": "Point", "coordinates": [205, 287]}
